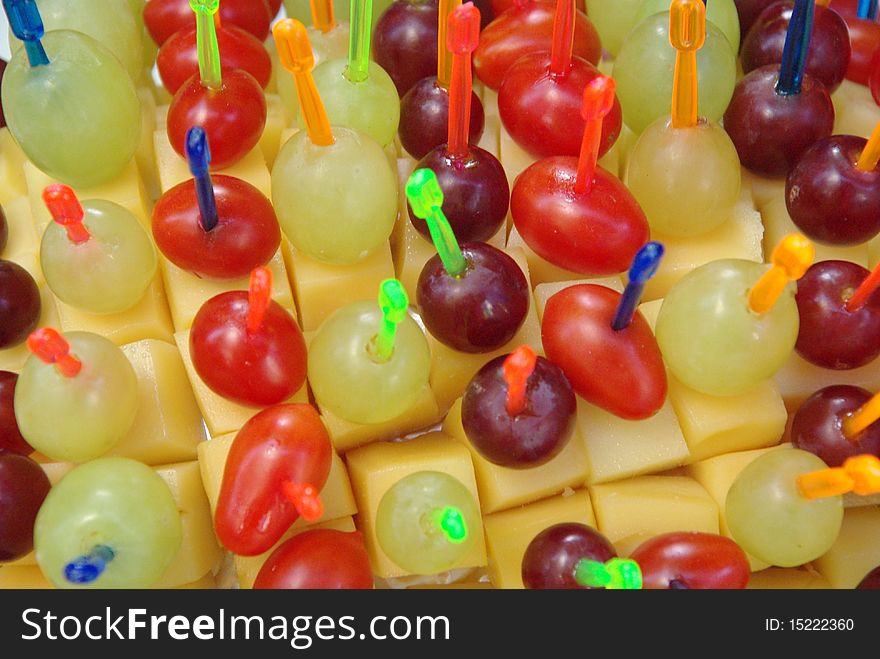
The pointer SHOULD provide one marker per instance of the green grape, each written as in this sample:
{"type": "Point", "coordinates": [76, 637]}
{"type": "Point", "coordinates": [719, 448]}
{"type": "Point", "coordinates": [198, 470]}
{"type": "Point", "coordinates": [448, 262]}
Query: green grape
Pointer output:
{"type": "Point", "coordinates": [712, 341]}
{"type": "Point", "coordinates": [336, 203]}
{"type": "Point", "coordinates": [769, 518]}
{"type": "Point", "coordinates": [722, 13]}
{"type": "Point", "coordinates": [613, 20]}
{"type": "Point", "coordinates": [112, 23]}
{"type": "Point", "coordinates": [411, 522]}
{"type": "Point", "coordinates": [78, 118]}
{"type": "Point", "coordinates": [644, 70]}
{"type": "Point", "coordinates": [347, 381]}
{"type": "Point", "coordinates": [371, 106]}
{"type": "Point", "coordinates": [687, 180]}
{"type": "Point", "coordinates": [301, 10]}
{"type": "Point", "coordinates": [116, 502]}
{"type": "Point", "coordinates": [74, 419]}
{"type": "Point", "coordinates": [108, 273]}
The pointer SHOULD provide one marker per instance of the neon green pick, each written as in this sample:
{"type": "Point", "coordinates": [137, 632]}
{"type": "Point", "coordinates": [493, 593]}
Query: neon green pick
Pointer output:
{"type": "Point", "coordinates": [426, 199]}
{"type": "Point", "coordinates": [616, 574]}
{"type": "Point", "coordinates": [393, 302]}
{"type": "Point", "coordinates": [360, 31]}
{"type": "Point", "coordinates": [451, 523]}
{"type": "Point", "coordinates": [206, 42]}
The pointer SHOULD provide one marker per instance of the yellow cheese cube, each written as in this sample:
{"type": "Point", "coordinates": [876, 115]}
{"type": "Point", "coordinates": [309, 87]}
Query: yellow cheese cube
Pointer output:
{"type": "Point", "coordinates": [248, 567]}
{"type": "Point", "coordinates": [513, 157]}
{"type": "Point", "coordinates": [855, 112]}
{"type": "Point", "coordinates": [172, 169]}
{"type": "Point", "coordinates": [374, 469]}
{"type": "Point", "coordinates": [322, 288]}
{"type": "Point", "coordinates": [544, 292]}
{"type": "Point", "coordinates": [490, 139]}
{"type": "Point", "coordinates": [777, 578]}
{"type": "Point", "coordinates": [501, 487]}
{"type": "Point", "coordinates": [451, 370]}
{"type": "Point", "coordinates": [469, 585]}
{"type": "Point", "coordinates": [148, 319]}
{"type": "Point", "coordinates": [873, 253]}
{"type": "Point", "coordinates": [199, 552]}
{"type": "Point", "coordinates": [509, 533]}
{"type": "Point", "coordinates": [27, 577]}
{"type": "Point", "coordinates": [713, 425]}
{"type": "Point", "coordinates": [798, 379]}
{"type": "Point", "coordinates": [187, 293]}
{"type": "Point", "coordinates": [22, 245]}
{"type": "Point", "coordinates": [221, 415]}
{"type": "Point", "coordinates": [763, 190]}
{"type": "Point", "coordinates": [855, 552]}
{"type": "Point", "coordinates": [145, 156]}
{"type": "Point", "coordinates": [207, 582]}
{"type": "Point", "coordinates": [168, 427]}
{"type": "Point", "coordinates": [270, 141]}
{"type": "Point", "coordinates": [652, 505]}
{"type": "Point", "coordinates": [404, 167]}
{"type": "Point", "coordinates": [12, 359]}
{"type": "Point", "coordinates": [12, 159]}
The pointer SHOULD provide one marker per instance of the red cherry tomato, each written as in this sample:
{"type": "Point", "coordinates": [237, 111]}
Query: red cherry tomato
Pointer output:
{"type": "Point", "coordinates": [500, 6]}
{"type": "Point", "coordinates": [233, 116]}
{"type": "Point", "coordinates": [874, 80]}
{"type": "Point", "coordinates": [597, 233]}
{"type": "Point", "coordinates": [178, 58]}
{"type": "Point", "coordinates": [246, 236]}
{"type": "Point", "coordinates": [320, 558]}
{"type": "Point", "coordinates": [864, 38]}
{"type": "Point", "coordinates": [285, 443]}
{"type": "Point", "coordinates": [274, 7]}
{"type": "Point", "coordinates": [620, 371]}
{"type": "Point", "coordinates": [165, 17]}
{"type": "Point", "coordinates": [692, 560]}
{"type": "Point", "coordinates": [262, 368]}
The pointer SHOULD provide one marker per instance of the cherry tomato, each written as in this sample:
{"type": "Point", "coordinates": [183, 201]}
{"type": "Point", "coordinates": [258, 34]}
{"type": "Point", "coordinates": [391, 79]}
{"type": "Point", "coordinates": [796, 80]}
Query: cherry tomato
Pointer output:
{"type": "Point", "coordinates": [692, 560]}
{"type": "Point", "coordinates": [864, 38]}
{"type": "Point", "coordinates": [165, 17]}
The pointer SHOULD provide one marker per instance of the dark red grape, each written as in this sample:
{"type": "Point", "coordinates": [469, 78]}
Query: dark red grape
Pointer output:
{"type": "Point", "coordinates": [23, 486]}
{"type": "Point", "coordinates": [2, 116]}
{"type": "Point", "coordinates": [553, 554]}
{"type": "Point", "coordinates": [424, 118]}
{"type": "Point", "coordinates": [831, 336]}
{"type": "Point", "coordinates": [19, 304]}
{"type": "Point", "coordinates": [10, 436]}
{"type": "Point", "coordinates": [871, 580]}
{"type": "Point", "coordinates": [748, 11]}
{"type": "Point", "coordinates": [4, 230]}
{"type": "Point", "coordinates": [771, 131]}
{"type": "Point", "coordinates": [530, 438]}
{"type": "Point", "coordinates": [402, 42]}
{"type": "Point", "coordinates": [480, 311]}
{"type": "Point", "coordinates": [829, 52]}
{"type": "Point", "coordinates": [476, 194]}
{"type": "Point", "coordinates": [683, 560]}
{"type": "Point", "coordinates": [830, 199]}
{"type": "Point", "coordinates": [817, 426]}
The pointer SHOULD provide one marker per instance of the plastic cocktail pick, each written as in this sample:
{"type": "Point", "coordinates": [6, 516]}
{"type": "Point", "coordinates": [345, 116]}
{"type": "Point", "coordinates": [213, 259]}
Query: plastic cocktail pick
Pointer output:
{"type": "Point", "coordinates": [322, 15]}
{"type": "Point", "coordinates": [518, 367]}
{"type": "Point", "coordinates": [791, 258]}
{"type": "Point", "coordinates": [794, 53]}
{"type": "Point", "coordinates": [295, 53]}
{"type": "Point", "coordinates": [562, 45]}
{"type": "Point", "coordinates": [867, 9]}
{"type": "Point", "coordinates": [444, 61]}
{"type": "Point", "coordinates": [86, 569]}
{"type": "Point", "coordinates": [426, 200]}
{"type": "Point", "coordinates": [259, 295]}
{"type": "Point", "coordinates": [871, 153]}
{"type": "Point", "coordinates": [644, 266]}
{"type": "Point", "coordinates": [361, 28]}
{"type": "Point", "coordinates": [597, 103]}
{"type": "Point", "coordinates": [394, 304]}
{"type": "Point", "coordinates": [451, 523]}
{"type": "Point", "coordinates": [616, 574]}
{"type": "Point", "coordinates": [198, 155]}
{"type": "Point", "coordinates": [687, 34]}
{"type": "Point", "coordinates": [66, 210]}
{"type": "Point", "coordinates": [27, 25]}
{"type": "Point", "coordinates": [462, 40]}
{"type": "Point", "coordinates": [49, 346]}
{"type": "Point", "coordinates": [306, 498]}
{"type": "Point", "coordinates": [865, 290]}
{"type": "Point", "coordinates": [206, 42]}
{"type": "Point", "coordinates": [863, 417]}
{"type": "Point", "coordinates": [859, 474]}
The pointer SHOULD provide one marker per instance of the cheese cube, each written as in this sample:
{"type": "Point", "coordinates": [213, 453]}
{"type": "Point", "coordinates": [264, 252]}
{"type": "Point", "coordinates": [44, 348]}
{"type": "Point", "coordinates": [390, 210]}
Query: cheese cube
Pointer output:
{"type": "Point", "coordinates": [513, 157]}
{"type": "Point", "coordinates": [855, 112]}
{"type": "Point", "coordinates": [544, 292]}
{"type": "Point", "coordinates": [207, 582]}
{"type": "Point", "coordinates": [270, 141]}
{"type": "Point", "coordinates": [490, 140]}
{"type": "Point", "coordinates": [648, 506]}
{"type": "Point", "coordinates": [501, 487]}
{"type": "Point", "coordinates": [855, 552]}
{"type": "Point", "coordinates": [12, 359]}
{"type": "Point", "coordinates": [145, 155]}
{"type": "Point", "coordinates": [873, 253]}
{"type": "Point", "coordinates": [489, 97]}
{"type": "Point", "coordinates": [168, 426]}
{"type": "Point", "coordinates": [28, 577]}
{"type": "Point", "coordinates": [12, 159]}
{"type": "Point", "coordinates": [374, 469]}
{"type": "Point", "coordinates": [509, 533]}
{"type": "Point", "coordinates": [798, 379]}
{"type": "Point", "coordinates": [22, 245]}
{"type": "Point", "coordinates": [763, 190]}
{"type": "Point", "coordinates": [777, 578]}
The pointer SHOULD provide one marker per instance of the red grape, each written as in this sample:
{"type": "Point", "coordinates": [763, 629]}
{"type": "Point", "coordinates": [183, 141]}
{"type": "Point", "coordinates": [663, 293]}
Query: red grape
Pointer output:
{"type": "Point", "coordinates": [233, 116]}
{"type": "Point", "coordinates": [23, 486]}
{"type": "Point", "coordinates": [10, 436]}
{"type": "Point", "coordinates": [530, 438]}
{"type": "Point", "coordinates": [401, 41]}
{"type": "Point", "coordinates": [553, 554]}
{"type": "Point", "coordinates": [424, 118]}
{"type": "Point", "coordinates": [246, 236]}
{"type": "Point", "coordinates": [165, 17]}
{"type": "Point", "coordinates": [692, 560]}
{"type": "Point", "coordinates": [830, 335]}
{"type": "Point", "coordinates": [871, 580]}
{"type": "Point", "coordinates": [748, 11]}
{"type": "Point", "coordinates": [2, 116]}
{"type": "Point", "coordinates": [318, 558]}
{"type": "Point", "coordinates": [4, 230]}
{"type": "Point", "coordinates": [19, 304]}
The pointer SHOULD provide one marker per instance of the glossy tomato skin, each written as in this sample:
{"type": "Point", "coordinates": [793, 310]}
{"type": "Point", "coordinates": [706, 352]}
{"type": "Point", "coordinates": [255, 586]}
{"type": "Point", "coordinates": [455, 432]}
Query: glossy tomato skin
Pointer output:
{"type": "Point", "coordinates": [247, 234]}
{"type": "Point", "coordinates": [621, 372]}
{"type": "Point", "coordinates": [864, 39]}
{"type": "Point", "coordinates": [165, 17]}
{"type": "Point", "coordinates": [319, 558]}
{"type": "Point", "coordinates": [692, 560]}
{"type": "Point", "coordinates": [282, 443]}
{"type": "Point", "coordinates": [258, 369]}
{"type": "Point", "coordinates": [178, 58]}
{"type": "Point", "coordinates": [233, 116]}
{"type": "Point", "coordinates": [597, 233]}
